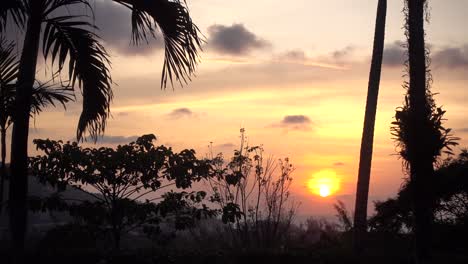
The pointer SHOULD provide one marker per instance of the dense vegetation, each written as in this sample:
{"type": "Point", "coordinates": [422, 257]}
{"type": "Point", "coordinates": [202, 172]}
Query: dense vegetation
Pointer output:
{"type": "Point", "coordinates": [144, 203]}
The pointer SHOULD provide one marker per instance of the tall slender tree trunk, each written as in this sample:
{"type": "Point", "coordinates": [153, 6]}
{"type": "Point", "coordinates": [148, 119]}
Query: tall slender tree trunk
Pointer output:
{"type": "Point", "coordinates": [19, 144]}
{"type": "Point", "coordinates": [3, 170]}
{"type": "Point", "coordinates": [420, 158]}
{"type": "Point", "coordinates": [362, 192]}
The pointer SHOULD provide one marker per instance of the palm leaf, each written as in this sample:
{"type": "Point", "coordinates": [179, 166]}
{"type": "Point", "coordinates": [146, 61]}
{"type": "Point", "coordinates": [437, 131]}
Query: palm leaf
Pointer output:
{"type": "Point", "coordinates": [48, 94]}
{"type": "Point", "coordinates": [54, 5]}
{"type": "Point", "coordinates": [44, 94]}
{"type": "Point", "coordinates": [8, 62]}
{"type": "Point", "coordinates": [8, 73]}
{"type": "Point", "coordinates": [15, 9]}
{"type": "Point", "coordinates": [181, 35]}
{"type": "Point", "coordinates": [69, 38]}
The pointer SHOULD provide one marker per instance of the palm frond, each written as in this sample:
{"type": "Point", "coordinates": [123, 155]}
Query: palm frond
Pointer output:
{"type": "Point", "coordinates": [44, 94]}
{"type": "Point", "coordinates": [54, 5]}
{"type": "Point", "coordinates": [9, 64]}
{"type": "Point", "coordinates": [48, 94]}
{"type": "Point", "coordinates": [69, 38]}
{"type": "Point", "coordinates": [8, 73]}
{"type": "Point", "coordinates": [181, 36]}
{"type": "Point", "coordinates": [15, 9]}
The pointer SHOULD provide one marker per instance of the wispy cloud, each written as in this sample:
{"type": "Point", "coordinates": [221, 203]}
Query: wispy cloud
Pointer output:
{"type": "Point", "coordinates": [343, 54]}
{"type": "Point", "coordinates": [296, 57]}
{"type": "Point", "coordinates": [114, 139]}
{"type": "Point", "coordinates": [451, 57]}
{"type": "Point", "coordinates": [300, 57]}
{"type": "Point", "coordinates": [230, 60]}
{"type": "Point", "coordinates": [180, 113]}
{"type": "Point", "coordinates": [226, 145]}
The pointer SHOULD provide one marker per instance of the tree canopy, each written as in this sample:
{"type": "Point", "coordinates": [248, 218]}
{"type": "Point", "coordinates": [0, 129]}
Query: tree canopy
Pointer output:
{"type": "Point", "coordinates": [122, 184]}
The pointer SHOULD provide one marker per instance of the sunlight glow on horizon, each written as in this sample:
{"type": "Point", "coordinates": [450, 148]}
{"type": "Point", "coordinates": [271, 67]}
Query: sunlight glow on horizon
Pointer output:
{"type": "Point", "coordinates": [324, 183]}
{"type": "Point", "coordinates": [323, 78]}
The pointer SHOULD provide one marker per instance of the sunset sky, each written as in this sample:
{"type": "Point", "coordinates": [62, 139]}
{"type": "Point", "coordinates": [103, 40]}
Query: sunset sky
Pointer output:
{"type": "Point", "coordinates": [292, 73]}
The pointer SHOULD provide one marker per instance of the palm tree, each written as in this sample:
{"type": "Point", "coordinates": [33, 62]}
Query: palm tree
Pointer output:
{"type": "Point", "coordinates": [418, 128]}
{"type": "Point", "coordinates": [70, 44]}
{"type": "Point", "coordinates": [419, 157]}
{"type": "Point", "coordinates": [8, 74]}
{"type": "Point", "coordinates": [362, 193]}
{"type": "Point", "coordinates": [43, 96]}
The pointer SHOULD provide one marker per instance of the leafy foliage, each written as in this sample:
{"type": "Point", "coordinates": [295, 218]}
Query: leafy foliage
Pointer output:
{"type": "Point", "coordinates": [116, 181]}
{"type": "Point", "coordinates": [440, 138]}
{"type": "Point", "coordinates": [395, 214]}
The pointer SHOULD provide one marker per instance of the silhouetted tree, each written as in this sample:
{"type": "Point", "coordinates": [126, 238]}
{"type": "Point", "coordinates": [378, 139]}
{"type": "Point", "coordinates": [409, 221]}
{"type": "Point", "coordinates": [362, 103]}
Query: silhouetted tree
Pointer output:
{"type": "Point", "coordinates": [451, 200]}
{"type": "Point", "coordinates": [393, 215]}
{"type": "Point", "coordinates": [44, 94]}
{"type": "Point", "coordinates": [116, 181]}
{"type": "Point", "coordinates": [254, 195]}
{"type": "Point", "coordinates": [362, 192]}
{"type": "Point", "coordinates": [418, 128]}
{"type": "Point", "coordinates": [71, 41]}
{"type": "Point", "coordinates": [419, 155]}
{"type": "Point", "coordinates": [8, 73]}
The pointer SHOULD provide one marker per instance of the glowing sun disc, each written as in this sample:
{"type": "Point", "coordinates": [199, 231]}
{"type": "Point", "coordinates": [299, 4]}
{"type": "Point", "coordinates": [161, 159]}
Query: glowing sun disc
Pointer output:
{"type": "Point", "coordinates": [324, 183]}
{"type": "Point", "coordinates": [324, 191]}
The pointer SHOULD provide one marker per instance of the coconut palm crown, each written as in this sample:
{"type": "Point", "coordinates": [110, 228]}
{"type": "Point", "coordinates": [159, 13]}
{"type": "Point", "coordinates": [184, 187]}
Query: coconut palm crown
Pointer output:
{"type": "Point", "coordinates": [71, 44]}
{"type": "Point", "coordinates": [72, 47]}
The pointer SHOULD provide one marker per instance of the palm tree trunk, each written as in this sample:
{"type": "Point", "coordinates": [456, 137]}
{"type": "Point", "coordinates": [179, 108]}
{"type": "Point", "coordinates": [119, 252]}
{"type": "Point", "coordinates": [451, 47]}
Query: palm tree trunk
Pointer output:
{"type": "Point", "coordinates": [3, 170]}
{"type": "Point", "coordinates": [420, 159]}
{"type": "Point", "coordinates": [19, 144]}
{"type": "Point", "coordinates": [362, 193]}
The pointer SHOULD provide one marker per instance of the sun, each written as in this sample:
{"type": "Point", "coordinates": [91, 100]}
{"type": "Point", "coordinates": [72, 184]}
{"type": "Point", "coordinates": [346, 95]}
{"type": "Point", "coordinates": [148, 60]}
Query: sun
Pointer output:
{"type": "Point", "coordinates": [324, 183]}
{"type": "Point", "coordinates": [324, 190]}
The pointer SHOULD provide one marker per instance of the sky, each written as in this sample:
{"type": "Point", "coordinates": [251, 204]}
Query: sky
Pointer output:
{"type": "Point", "coordinates": [294, 74]}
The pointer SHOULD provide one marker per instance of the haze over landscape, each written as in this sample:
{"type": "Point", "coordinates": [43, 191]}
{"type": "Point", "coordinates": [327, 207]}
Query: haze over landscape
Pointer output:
{"type": "Point", "coordinates": [294, 76]}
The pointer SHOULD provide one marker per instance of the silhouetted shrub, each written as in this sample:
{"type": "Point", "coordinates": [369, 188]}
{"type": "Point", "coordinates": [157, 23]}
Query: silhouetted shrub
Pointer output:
{"type": "Point", "coordinates": [253, 194]}
{"type": "Point", "coordinates": [115, 182]}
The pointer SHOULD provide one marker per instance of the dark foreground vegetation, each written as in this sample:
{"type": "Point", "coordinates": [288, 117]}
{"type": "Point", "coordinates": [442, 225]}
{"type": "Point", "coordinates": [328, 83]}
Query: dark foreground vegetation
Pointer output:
{"type": "Point", "coordinates": [144, 203]}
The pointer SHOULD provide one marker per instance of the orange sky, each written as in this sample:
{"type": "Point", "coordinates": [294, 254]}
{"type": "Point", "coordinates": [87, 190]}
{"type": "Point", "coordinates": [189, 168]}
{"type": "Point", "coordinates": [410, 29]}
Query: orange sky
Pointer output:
{"type": "Point", "coordinates": [307, 59]}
